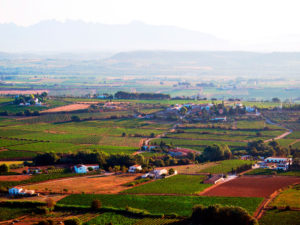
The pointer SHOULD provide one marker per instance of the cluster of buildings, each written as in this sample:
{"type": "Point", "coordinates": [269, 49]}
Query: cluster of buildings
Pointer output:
{"type": "Point", "coordinates": [276, 163]}
{"type": "Point", "coordinates": [17, 191]}
{"type": "Point", "coordinates": [80, 168]}
{"type": "Point", "coordinates": [156, 173]}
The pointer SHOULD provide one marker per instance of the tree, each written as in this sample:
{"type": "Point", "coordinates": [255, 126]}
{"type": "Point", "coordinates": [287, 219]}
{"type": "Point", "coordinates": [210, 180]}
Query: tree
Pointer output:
{"type": "Point", "coordinates": [171, 171]}
{"type": "Point", "coordinates": [36, 113]}
{"type": "Point", "coordinates": [277, 100]}
{"type": "Point", "coordinates": [217, 152]}
{"type": "Point", "coordinates": [4, 168]}
{"type": "Point", "coordinates": [75, 118]}
{"type": "Point", "coordinates": [50, 203]}
{"type": "Point", "coordinates": [95, 205]}
{"type": "Point", "coordinates": [225, 215]}
{"type": "Point", "coordinates": [73, 221]}
{"type": "Point", "coordinates": [183, 110]}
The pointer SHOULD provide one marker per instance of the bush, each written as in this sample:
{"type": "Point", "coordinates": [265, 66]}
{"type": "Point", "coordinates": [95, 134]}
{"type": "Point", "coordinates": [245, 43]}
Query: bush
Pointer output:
{"type": "Point", "coordinates": [96, 204]}
{"type": "Point", "coordinates": [73, 221]}
{"type": "Point", "coordinates": [46, 222]}
{"type": "Point", "coordinates": [4, 168]}
{"type": "Point", "coordinates": [225, 215]}
{"type": "Point", "coordinates": [50, 203]}
{"type": "Point", "coordinates": [75, 118]}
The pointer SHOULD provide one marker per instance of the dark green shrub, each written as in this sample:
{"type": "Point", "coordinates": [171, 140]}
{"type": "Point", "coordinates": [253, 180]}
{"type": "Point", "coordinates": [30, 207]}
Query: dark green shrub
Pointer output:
{"type": "Point", "coordinates": [96, 204]}
{"type": "Point", "coordinates": [73, 221]}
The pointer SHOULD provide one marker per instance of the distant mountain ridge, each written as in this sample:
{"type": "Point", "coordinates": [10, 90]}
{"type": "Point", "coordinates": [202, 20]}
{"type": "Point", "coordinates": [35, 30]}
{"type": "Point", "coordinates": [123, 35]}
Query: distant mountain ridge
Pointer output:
{"type": "Point", "coordinates": [54, 36]}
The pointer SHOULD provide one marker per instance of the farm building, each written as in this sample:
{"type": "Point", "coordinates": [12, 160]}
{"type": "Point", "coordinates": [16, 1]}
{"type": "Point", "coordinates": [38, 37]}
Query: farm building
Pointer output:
{"type": "Point", "coordinates": [245, 157]}
{"type": "Point", "coordinates": [278, 160]}
{"type": "Point", "coordinates": [219, 119]}
{"type": "Point", "coordinates": [135, 168]}
{"type": "Point", "coordinates": [20, 191]}
{"type": "Point", "coordinates": [85, 168]}
{"type": "Point", "coordinates": [158, 173]}
{"type": "Point", "coordinates": [215, 179]}
{"type": "Point", "coordinates": [33, 170]}
{"type": "Point", "coordinates": [279, 163]}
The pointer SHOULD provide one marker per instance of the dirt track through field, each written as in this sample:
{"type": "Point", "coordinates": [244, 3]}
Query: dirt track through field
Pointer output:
{"type": "Point", "coordinates": [252, 186]}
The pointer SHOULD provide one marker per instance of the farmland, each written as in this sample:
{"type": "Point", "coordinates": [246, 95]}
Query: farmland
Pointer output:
{"type": "Point", "coordinates": [178, 184]}
{"type": "Point", "coordinates": [252, 186]}
{"type": "Point", "coordinates": [89, 184]}
{"type": "Point", "coordinates": [182, 205]}
{"type": "Point", "coordinates": [225, 166]}
{"type": "Point", "coordinates": [289, 197]}
{"type": "Point", "coordinates": [279, 217]}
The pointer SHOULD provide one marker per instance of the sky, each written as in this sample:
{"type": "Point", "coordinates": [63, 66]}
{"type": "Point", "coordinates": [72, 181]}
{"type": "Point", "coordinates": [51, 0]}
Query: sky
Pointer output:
{"type": "Point", "coordinates": [247, 21]}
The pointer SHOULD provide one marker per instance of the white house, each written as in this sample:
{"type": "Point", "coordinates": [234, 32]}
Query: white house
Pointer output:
{"type": "Point", "coordinates": [159, 172]}
{"type": "Point", "coordinates": [15, 191]}
{"type": "Point", "coordinates": [278, 160]}
{"type": "Point", "coordinates": [20, 191]}
{"type": "Point", "coordinates": [135, 168]}
{"type": "Point", "coordinates": [279, 163]}
{"type": "Point", "coordinates": [85, 168]}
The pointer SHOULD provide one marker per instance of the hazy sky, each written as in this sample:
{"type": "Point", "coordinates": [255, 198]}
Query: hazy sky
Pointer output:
{"type": "Point", "coordinates": [237, 20]}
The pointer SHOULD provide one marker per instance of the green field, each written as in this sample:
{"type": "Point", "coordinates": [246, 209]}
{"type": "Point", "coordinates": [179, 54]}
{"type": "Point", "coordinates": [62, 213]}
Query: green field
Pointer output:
{"type": "Point", "coordinates": [289, 197]}
{"type": "Point", "coordinates": [178, 184]}
{"type": "Point", "coordinates": [261, 171]}
{"type": "Point", "coordinates": [8, 213]}
{"type": "Point", "coordinates": [114, 218]}
{"type": "Point", "coordinates": [226, 166]}
{"type": "Point", "coordinates": [280, 217]}
{"type": "Point", "coordinates": [16, 154]}
{"type": "Point", "coordinates": [182, 205]}
{"type": "Point", "coordinates": [197, 143]}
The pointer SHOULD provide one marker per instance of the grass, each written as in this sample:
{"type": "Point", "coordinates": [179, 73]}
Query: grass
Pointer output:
{"type": "Point", "coordinates": [16, 155]}
{"type": "Point", "coordinates": [191, 143]}
{"type": "Point", "coordinates": [113, 218]}
{"type": "Point", "coordinates": [289, 197]}
{"type": "Point", "coordinates": [261, 171]}
{"type": "Point", "coordinates": [47, 147]}
{"type": "Point", "coordinates": [280, 217]}
{"type": "Point", "coordinates": [178, 184]}
{"type": "Point", "coordinates": [182, 205]}
{"type": "Point", "coordinates": [225, 166]}
{"type": "Point", "coordinates": [7, 213]}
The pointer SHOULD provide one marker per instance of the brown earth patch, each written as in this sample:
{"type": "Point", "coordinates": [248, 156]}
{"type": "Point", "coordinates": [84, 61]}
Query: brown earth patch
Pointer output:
{"type": "Point", "coordinates": [97, 184]}
{"type": "Point", "coordinates": [14, 177]}
{"type": "Point", "coordinates": [67, 108]}
{"type": "Point", "coordinates": [251, 186]}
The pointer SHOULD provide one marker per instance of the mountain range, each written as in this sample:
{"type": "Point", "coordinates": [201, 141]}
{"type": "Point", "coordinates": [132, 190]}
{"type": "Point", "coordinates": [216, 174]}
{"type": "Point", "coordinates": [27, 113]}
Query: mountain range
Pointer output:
{"type": "Point", "coordinates": [54, 36]}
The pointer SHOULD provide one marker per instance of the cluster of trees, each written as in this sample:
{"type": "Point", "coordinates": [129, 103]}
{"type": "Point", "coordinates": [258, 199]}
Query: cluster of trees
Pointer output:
{"type": "Point", "coordinates": [127, 95]}
{"type": "Point", "coordinates": [272, 148]}
{"type": "Point", "coordinates": [241, 168]}
{"type": "Point", "coordinates": [107, 161]}
{"type": "Point", "coordinates": [225, 215]}
{"type": "Point", "coordinates": [30, 98]}
{"type": "Point", "coordinates": [215, 153]}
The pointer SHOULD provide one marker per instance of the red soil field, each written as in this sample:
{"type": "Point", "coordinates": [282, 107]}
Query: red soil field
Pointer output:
{"type": "Point", "coordinates": [251, 186]}
{"type": "Point", "coordinates": [14, 177]}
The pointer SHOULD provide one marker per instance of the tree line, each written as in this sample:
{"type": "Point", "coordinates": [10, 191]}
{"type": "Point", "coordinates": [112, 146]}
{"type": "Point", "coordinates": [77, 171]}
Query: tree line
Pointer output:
{"type": "Point", "coordinates": [147, 96]}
